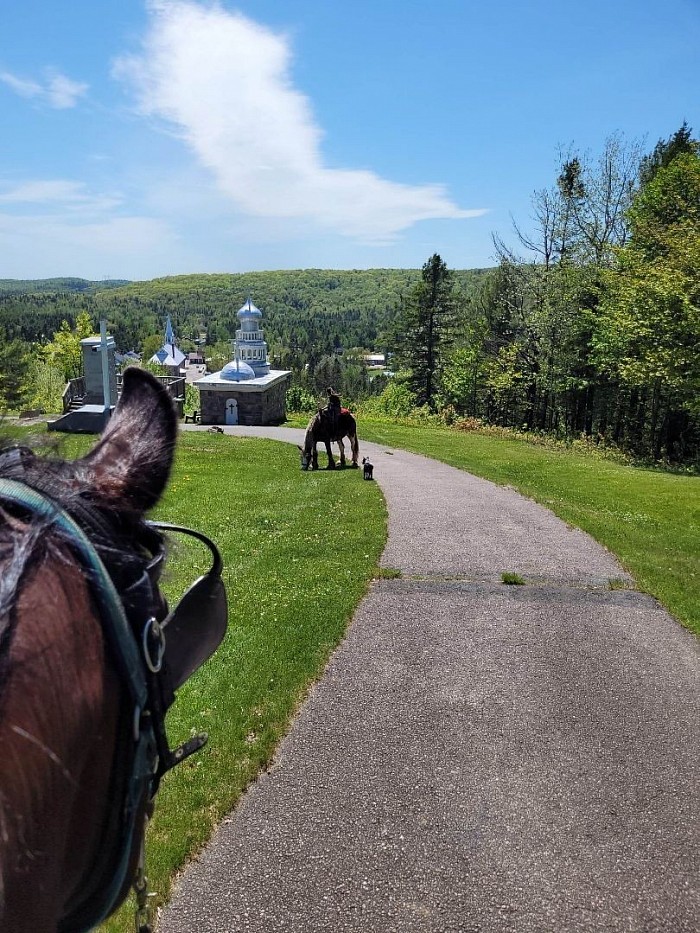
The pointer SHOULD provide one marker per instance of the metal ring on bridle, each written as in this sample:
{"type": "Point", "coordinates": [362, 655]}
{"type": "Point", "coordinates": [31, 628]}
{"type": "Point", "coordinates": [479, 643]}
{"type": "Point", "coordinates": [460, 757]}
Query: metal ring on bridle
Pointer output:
{"type": "Point", "coordinates": [153, 635]}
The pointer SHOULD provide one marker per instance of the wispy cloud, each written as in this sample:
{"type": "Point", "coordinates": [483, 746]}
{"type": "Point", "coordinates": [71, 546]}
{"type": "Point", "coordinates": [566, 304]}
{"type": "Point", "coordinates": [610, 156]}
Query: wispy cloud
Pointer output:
{"type": "Point", "coordinates": [56, 90]}
{"type": "Point", "coordinates": [58, 194]}
{"type": "Point", "coordinates": [224, 82]}
{"type": "Point", "coordinates": [22, 86]}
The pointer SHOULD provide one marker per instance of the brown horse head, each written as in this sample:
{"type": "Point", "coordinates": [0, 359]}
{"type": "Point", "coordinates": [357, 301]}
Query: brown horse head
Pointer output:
{"type": "Point", "coordinates": [78, 694]}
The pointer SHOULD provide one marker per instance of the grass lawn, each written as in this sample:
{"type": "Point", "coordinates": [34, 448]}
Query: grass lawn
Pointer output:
{"type": "Point", "coordinates": [649, 518]}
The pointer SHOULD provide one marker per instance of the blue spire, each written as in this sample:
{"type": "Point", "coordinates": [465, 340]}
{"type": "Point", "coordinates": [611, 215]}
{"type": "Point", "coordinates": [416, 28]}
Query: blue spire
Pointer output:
{"type": "Point", "coordinates": [169, 333]}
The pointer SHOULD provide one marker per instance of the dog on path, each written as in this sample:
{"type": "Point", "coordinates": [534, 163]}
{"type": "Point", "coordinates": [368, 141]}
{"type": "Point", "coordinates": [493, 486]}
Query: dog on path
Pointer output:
{"type": "Point", "coordinates": [367, 468]}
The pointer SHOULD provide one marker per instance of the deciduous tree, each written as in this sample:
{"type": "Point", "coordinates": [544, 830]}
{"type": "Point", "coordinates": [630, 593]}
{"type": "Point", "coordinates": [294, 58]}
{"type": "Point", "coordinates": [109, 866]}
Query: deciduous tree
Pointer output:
{"type": "Point", "coordinates": [648, 333]}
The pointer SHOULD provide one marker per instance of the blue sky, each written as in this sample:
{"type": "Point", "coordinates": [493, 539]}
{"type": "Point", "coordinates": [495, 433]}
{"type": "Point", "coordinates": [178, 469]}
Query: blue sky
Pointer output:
{"type": "Point", "coordinates": [142, 139]}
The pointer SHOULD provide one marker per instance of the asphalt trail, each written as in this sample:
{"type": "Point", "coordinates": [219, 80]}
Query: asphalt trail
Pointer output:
{"type": "Point", "coordinates": [476, 757]}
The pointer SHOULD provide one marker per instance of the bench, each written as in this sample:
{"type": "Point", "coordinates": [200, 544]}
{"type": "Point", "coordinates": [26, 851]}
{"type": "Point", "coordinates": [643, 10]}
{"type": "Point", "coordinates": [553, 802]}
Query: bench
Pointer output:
{"type": "Point", "coordinates": [193, 418]}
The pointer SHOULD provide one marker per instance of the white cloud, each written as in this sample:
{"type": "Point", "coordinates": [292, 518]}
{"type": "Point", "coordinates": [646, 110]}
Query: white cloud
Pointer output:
{"type": "Point", "coordinates": [59, 193]}
{"type": "Point", "coordinates": [62, 92]}
{"type": "Point", "coordinates": [21, 86]}
{"type": "Point", "coordinates": [224, 82]}
{"type": "Point", "coordinates": [57, 90]}
{"type": "Point", "coordinates": [61, 227]}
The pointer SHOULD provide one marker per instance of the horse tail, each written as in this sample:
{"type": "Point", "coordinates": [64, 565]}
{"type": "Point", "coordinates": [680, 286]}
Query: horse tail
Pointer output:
{"type": "Point", "coordinates": [352, 435]}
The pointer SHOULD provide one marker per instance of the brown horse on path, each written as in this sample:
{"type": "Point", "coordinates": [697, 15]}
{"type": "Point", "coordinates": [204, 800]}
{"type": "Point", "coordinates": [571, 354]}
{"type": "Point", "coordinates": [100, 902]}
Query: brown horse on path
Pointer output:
{"type": "Point", "coordinates": [321, 428]}
{"type": "Point", "coordinates": [89, 661]}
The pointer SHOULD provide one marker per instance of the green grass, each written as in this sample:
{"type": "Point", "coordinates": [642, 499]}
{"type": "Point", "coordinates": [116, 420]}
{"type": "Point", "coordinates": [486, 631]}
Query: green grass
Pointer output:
{"type": "Point", "coordinates": [388, 573]}
{"type": "Point", "coordinates": [512, 579]}
{"type": "Point", "coordinates": [649, 518]}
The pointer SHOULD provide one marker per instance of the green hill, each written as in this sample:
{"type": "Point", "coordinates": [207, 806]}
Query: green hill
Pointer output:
{"type": "Point", "coordinates": [309, 311]}
{"type": "Point", "coordinates": [52, 286]}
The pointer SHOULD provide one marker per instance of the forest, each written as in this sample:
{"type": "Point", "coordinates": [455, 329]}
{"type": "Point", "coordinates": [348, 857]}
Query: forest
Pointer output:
{"type": "Point", "coordinates": [588, 325]}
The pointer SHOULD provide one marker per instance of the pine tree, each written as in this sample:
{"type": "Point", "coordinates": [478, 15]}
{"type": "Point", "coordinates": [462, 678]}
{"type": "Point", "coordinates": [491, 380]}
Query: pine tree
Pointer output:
{"type": "Point", "coordinates": [14, 374]}
{"type": "Point", "coordinates": [425, 329]}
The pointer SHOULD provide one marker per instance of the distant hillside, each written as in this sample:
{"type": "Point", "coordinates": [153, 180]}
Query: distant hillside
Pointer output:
{"type": "Point", "coordinates": [50, 286]}
{"type": "Point", "coordinates": [319, 308]}
{"type": "Point", "coordinates": [308, 312]}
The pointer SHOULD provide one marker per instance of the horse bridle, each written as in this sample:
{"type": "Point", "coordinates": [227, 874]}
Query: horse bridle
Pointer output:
{"type": "Point", "coordinates": [153, 658]}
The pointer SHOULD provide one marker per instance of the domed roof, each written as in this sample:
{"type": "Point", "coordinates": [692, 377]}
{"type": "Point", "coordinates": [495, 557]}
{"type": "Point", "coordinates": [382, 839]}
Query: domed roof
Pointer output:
{"type": "Point", "coordinates": [237, 371]}
{"type": "Point", "coordinates": [249, 310]}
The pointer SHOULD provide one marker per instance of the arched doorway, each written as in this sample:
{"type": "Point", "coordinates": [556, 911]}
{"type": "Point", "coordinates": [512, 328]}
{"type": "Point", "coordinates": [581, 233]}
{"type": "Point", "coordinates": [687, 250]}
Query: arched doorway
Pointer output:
{"type": "Point", "coordinates": [231, 411]}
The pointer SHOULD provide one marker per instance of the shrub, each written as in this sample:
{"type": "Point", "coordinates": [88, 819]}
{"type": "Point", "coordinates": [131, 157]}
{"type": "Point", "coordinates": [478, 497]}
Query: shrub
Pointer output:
{"type": "Point", "coordinates": [396, 401]}
{"type": "Point", "coordinates": [300, 399]}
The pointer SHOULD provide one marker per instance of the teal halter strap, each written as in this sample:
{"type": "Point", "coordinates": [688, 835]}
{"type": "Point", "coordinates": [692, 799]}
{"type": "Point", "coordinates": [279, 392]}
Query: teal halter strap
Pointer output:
{"type": "Point", "coordinates": [101, 903]}
{"type": "Point", "coordinates": [120, 636]}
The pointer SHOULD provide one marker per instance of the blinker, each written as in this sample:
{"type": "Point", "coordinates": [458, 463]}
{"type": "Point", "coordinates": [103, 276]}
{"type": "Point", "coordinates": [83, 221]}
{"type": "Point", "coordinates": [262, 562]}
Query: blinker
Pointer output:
{"type": "Point", "coordinates": [195, 628]}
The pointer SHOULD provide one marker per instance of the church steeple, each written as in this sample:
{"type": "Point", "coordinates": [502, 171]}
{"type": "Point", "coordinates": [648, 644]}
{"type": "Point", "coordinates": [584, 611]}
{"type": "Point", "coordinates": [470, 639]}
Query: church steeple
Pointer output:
{"type": "Point", "coordinates": [169, 354]}
{"type": "Point", "coordinates": [169, 332]}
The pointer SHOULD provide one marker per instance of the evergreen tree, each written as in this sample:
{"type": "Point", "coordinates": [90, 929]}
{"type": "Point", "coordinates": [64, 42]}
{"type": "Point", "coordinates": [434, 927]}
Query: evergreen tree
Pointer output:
{"type": "Point", "coordinates": [14, 374]}
{"type": "Point", "coordinates": [665, 152]}
{"type": "Point", "coordinates": [424, 330]}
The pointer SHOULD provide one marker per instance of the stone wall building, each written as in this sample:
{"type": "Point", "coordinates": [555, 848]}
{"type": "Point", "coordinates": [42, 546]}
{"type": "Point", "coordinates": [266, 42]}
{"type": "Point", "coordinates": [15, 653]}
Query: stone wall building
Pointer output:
{"type": "Point", "coordinates": [246, 390]}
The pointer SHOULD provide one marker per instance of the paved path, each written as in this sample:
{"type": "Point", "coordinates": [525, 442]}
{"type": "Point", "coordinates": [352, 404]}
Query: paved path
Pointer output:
{"type": "Point", "coordinates": [477, 757]}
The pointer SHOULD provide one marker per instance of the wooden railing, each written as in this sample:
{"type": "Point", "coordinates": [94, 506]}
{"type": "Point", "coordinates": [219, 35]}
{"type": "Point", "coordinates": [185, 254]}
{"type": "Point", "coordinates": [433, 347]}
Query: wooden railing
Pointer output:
{"type": "Point", "coordinates": [175, 386]}
{"type": "Point", "coordinates": [75, 389]}
{"type": "Point", "coordinates": [176, 389]}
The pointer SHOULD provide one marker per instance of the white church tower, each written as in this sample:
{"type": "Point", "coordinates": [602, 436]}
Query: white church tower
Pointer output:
{"type": "Point", "coordinates": [249, 345]}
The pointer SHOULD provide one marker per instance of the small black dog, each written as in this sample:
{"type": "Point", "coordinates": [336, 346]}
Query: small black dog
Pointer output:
{"type": "Point", "coordinates": [367, 469]}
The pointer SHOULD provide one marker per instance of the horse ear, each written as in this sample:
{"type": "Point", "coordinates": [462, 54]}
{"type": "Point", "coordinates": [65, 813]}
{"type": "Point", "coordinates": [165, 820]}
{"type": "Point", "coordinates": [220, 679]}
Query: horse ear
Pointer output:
{"type": "Point", "coordinates": [130, 466]}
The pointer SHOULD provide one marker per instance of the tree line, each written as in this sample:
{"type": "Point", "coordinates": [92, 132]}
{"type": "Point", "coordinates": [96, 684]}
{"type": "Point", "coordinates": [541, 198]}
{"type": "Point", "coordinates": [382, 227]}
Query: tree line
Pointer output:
{"type": "Point", "coordinates": [317, 323]}
{"type": "Point", "coordinates": [590, 325]}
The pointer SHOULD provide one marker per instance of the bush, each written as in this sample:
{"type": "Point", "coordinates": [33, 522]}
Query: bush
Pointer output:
{"type": "Point", "coordinates": [191, 399]}
{"type": "Point", "coordinates": [300, 399]}
{"type": "Point", "coordinates": [396, 401]}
